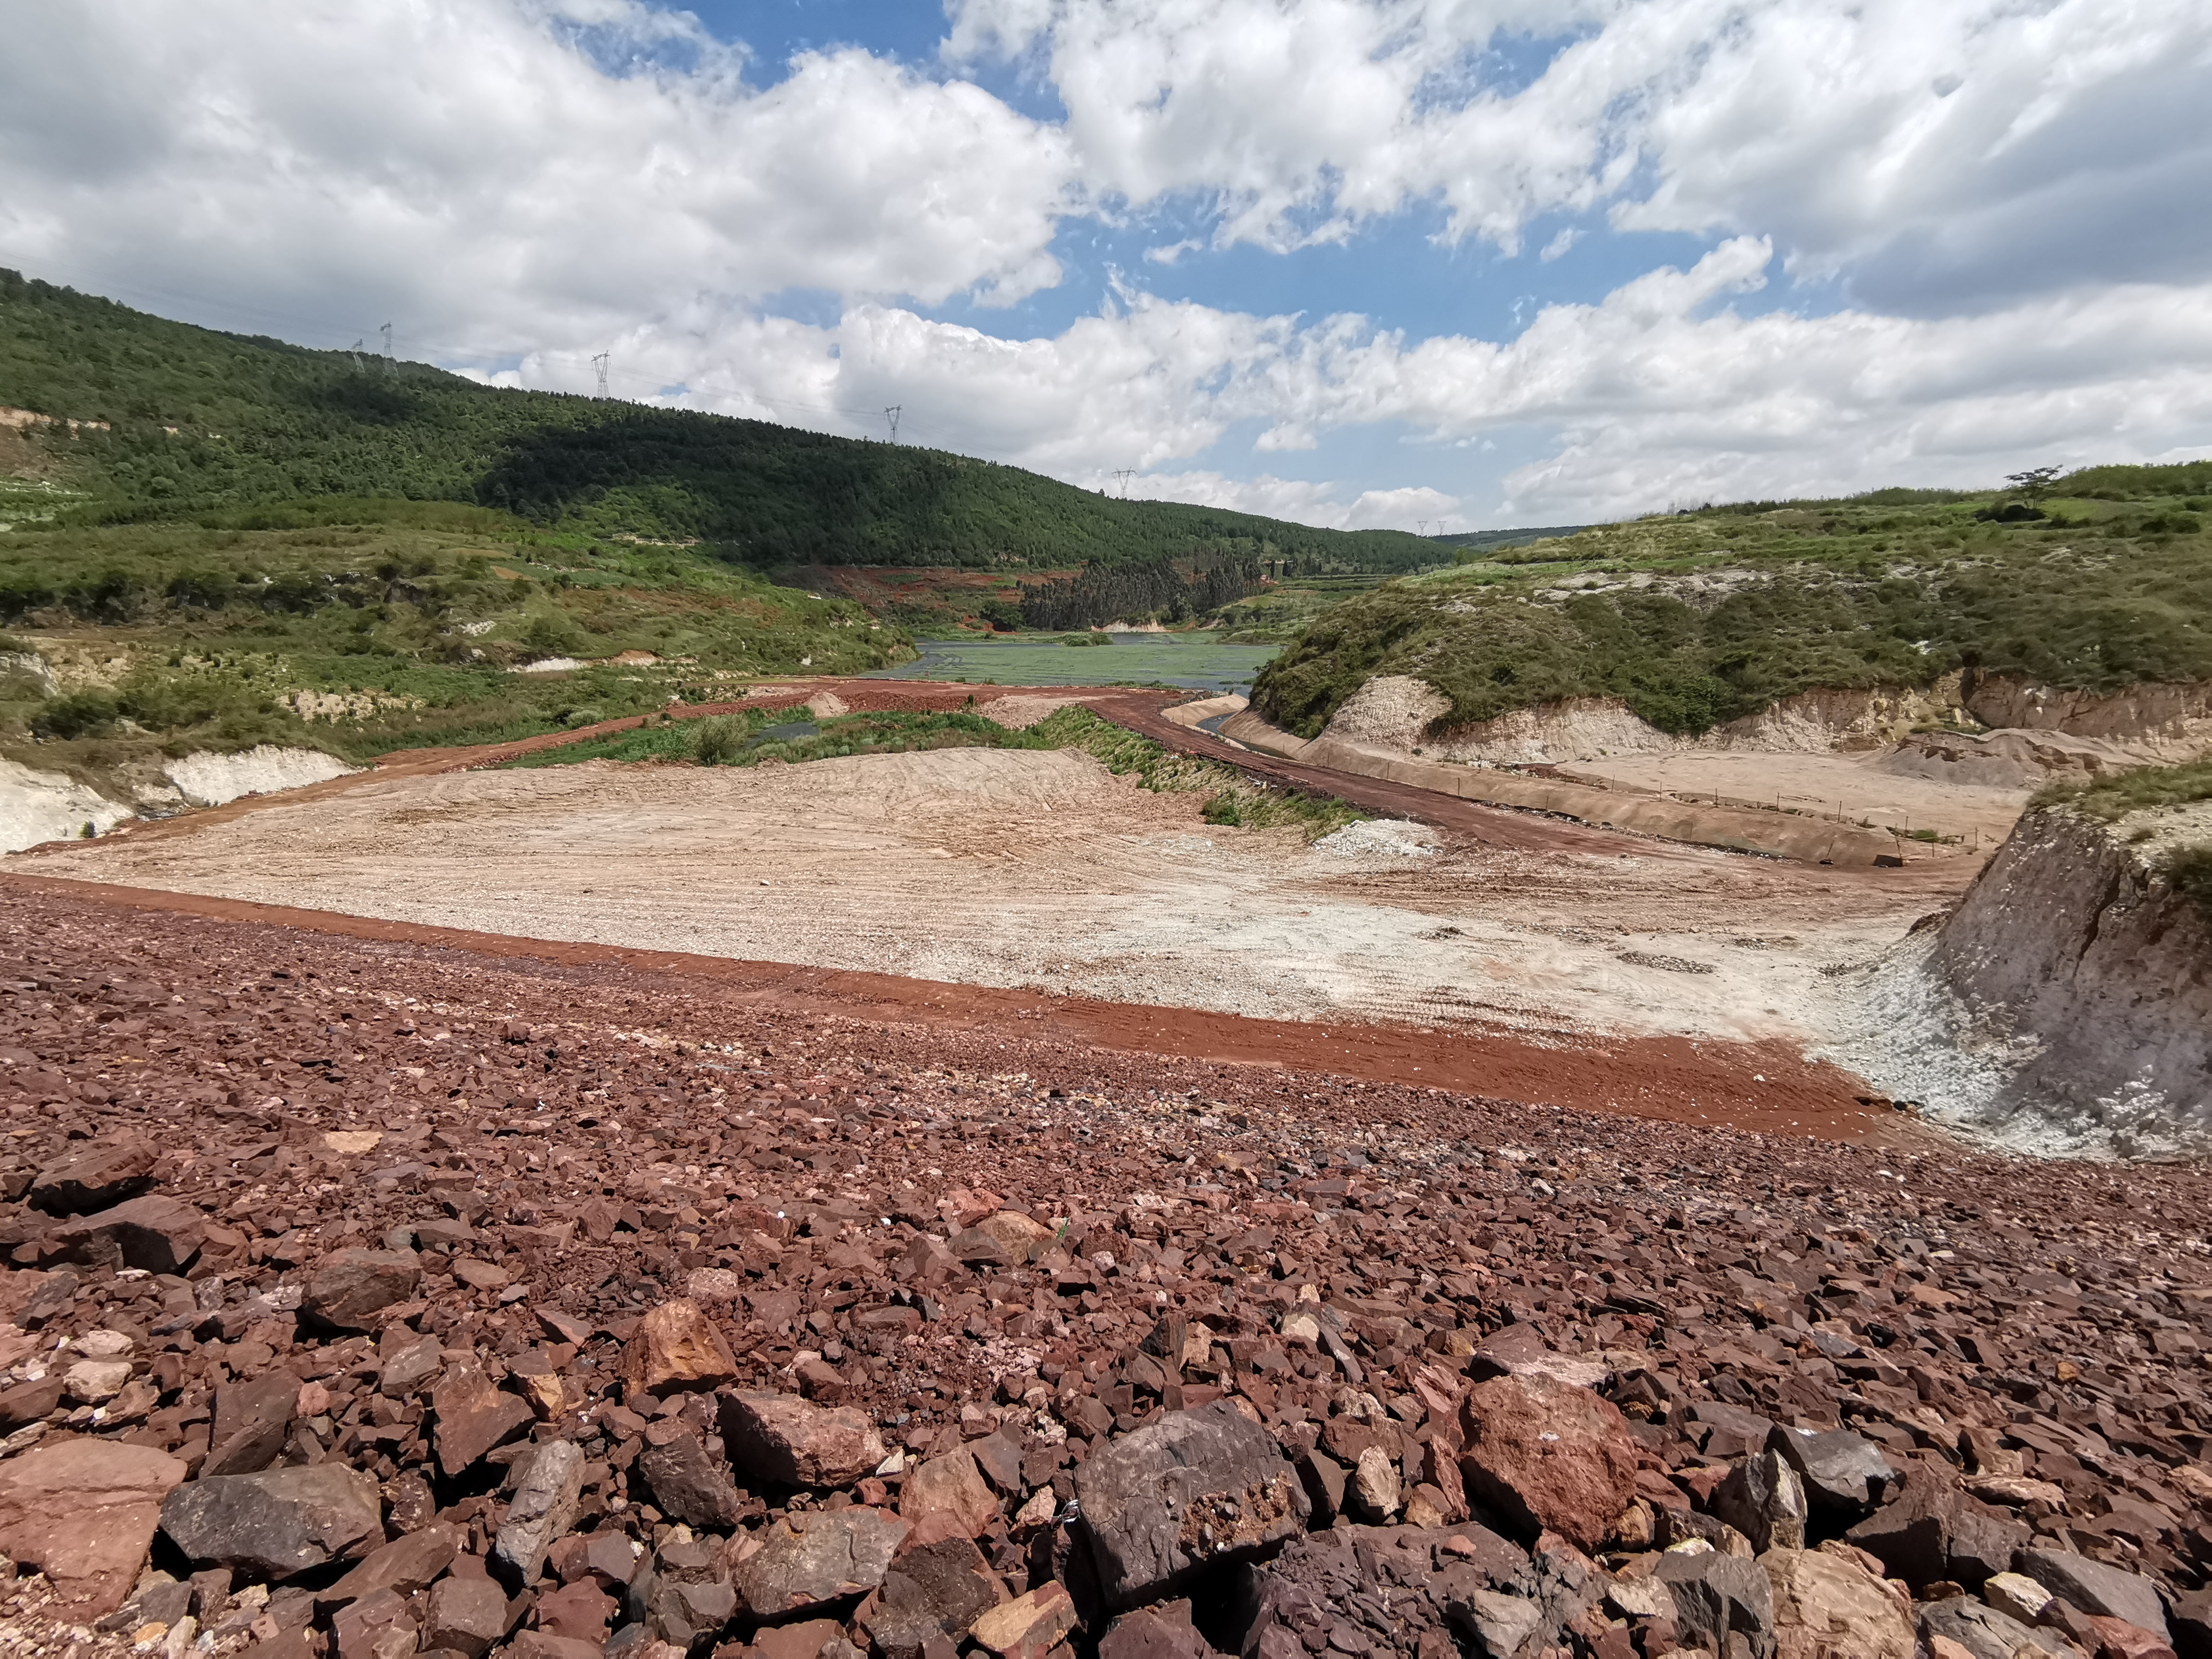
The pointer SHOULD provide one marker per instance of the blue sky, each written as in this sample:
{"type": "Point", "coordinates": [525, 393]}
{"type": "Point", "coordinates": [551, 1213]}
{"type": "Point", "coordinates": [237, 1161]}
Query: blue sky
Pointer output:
{"type": "Point", "coordinates": [1600, 256]}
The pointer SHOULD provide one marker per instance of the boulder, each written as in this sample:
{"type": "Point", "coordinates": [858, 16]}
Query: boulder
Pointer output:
{"type": "Point", "coordinates": [97, 1176]}
{"type": "Point", "coordinates": [1014, 1233]}
{"type": "Point", "coordinates": [159, 1235]}
{"type": "Point", "coordinates": [1162, 1632]}
{"type": "Point", "coordinates": [404, 1565]}
{"type": "Point", "coordinates": [84, 1514]}
{"type": "Point", "coordinates": [577, 1612]}
{"type": "Point", "coordinates": [1825, 1605]}
{"type": "Point", "coordinates": [473, 1415]}
{"type": "Point", "coordinates": [1029, 1626]}
{"type": "Point", "coordinates": [951, 1486]}
{"type": "Point", "coordinates": [465, 1614]}
{"type": "Point", "coordinates": [1372, 1493]}
{"type": "Point", "coordinates": [689, 1486]}
{"type": "Point", "coordinates": [685, 1596]}
{"type": "Point", "coordinates": [251, 1422]}
{"type": "Point", "coordinates": [1763, 1498]}
{"type": "Point", "coordinates": [1547, 1456]}
{"type": "Point", "coordinates": [95, 1382]}
{"type": "Point", "coordinates": [1911, 1533]}
{"type": "Point", "coordinates": [348, 1288]}
{"type": "Point", "coordinates": [780, 1438]}
{"type": "Point", "coordinates": [675, 1348]}
{"type": "Point", "coordinates": [1396, 1590]}
{"type": "Point", "coordinates": [814, 1557]}
{"type": "Point", "coordinates": [278, 1522]}
{"type": "Point", "coordinates": [1718, 1596]}
{"type": "Point", "coordinates": [1185, 1491]}
{"type": "Point", "coordinates": [2112, 1592]}
{"type": "Point", "coordinates": [932, 1593]}
{"type": "Point", "coordinates": [543, 1509]}
{"type": "Point", "coordinates": [1984, 1632]}
{"type": "Point", "coordinates": [1844, 1473]}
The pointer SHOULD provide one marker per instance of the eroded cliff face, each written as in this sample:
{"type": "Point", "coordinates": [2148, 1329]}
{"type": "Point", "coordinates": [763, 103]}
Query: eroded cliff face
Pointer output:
{"type": "Point", "coordinates": [2078, 953]}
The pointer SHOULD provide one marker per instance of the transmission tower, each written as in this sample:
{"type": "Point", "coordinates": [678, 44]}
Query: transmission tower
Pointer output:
{"type": "Point", "coordinates": [358, 346]}
{"type": "Point", "coordinates": [390, 367]}
{"type": "Point", "coordinates": [891, 414]}
{"type": "Point", "coordinates": [1125, 474]}
{"type": "Point", "coordinates": [599, 362]}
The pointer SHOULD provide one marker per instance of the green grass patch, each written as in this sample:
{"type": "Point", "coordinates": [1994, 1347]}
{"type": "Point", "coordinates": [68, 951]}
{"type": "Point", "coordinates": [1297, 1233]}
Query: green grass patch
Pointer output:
{"type": "Point", "coordinates": [748, 739]}
{"type": "Point", "coordinates": [2142, 790]}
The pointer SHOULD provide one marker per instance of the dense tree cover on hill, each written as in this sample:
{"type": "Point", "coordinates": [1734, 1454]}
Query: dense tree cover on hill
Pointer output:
{"type": "Point", "coordinates": [1103, 593]}
{"type": "Point", "coordinates": [192, 420]}
{"type": "Point", "coordinates": [1692, 619]}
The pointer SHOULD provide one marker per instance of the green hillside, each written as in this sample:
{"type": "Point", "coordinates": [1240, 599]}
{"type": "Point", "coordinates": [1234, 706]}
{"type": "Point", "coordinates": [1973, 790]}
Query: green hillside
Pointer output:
{"type": "Point", "coordinates": [191, 421]}
{"type": "Point", "coordinates": [2102, 581]}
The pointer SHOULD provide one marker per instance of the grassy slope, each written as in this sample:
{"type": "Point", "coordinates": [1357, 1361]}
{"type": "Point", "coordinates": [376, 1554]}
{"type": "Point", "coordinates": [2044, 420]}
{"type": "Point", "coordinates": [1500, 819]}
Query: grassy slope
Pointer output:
{"type": "Point", "coordinates": [740, 740]}
{"type": "Point", "coordinates": [256, 420]}
{"type": "Point", "coordinates": [397, 624]}
{"type": "Point", "coordinates": [1699, 618]}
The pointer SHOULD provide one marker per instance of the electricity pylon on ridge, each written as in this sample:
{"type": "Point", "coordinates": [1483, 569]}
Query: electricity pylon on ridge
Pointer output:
{"type": "Point", "coordinates": [1124, 474]}
{"type": "Point", "coordinates": [599, 362]}
{"type": "Point", "coordinates": [891, 414]}
{"type": "Point", "coordinates": [390, 365]}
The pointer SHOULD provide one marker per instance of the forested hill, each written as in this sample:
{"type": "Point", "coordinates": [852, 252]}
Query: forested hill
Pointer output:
{"type": "Point", "coordinates": [189, 419]}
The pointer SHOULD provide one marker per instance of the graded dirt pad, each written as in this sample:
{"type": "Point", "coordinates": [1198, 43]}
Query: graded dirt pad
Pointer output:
{"type": "Point", "coordinates": [1019, 868]}
{"type": "Point", "coordinates": [504, 1251]}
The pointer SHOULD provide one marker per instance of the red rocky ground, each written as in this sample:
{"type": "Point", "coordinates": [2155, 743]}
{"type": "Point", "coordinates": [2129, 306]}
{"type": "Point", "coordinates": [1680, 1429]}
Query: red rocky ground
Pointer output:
{"type": "Point", "coordinates": [370, 1298]}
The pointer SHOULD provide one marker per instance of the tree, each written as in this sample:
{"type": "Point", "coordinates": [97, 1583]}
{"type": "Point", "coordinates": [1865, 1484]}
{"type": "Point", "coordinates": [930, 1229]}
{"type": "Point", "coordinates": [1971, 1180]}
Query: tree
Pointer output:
{"type": "Point", "coordinates": [2035, 483]}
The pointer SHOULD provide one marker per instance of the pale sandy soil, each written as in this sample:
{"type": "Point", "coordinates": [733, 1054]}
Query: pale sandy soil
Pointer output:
{"type": "Point", "coordinates": [1017, 868]}
{"type": "Point", "coordinates": [1843, 786]}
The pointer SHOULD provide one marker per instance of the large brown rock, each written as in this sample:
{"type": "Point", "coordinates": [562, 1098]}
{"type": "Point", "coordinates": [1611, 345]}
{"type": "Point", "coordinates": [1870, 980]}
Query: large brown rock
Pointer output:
{"type": "Point", "coordinates": [251, 1419]}
{"type": "Point", "coordinates": [348, 1288]}
{"type": "Point", "coordinates": [278, 1522]}
{"type": "Point", "coordinates": [1827, 1604]}
{"type": "Point", "coordinates": [1545, 1456]}
{"type": "Point", "coordinates": [95, 1178]}
{"type": "Point", "coordinates": [689, 1486]}
{"type": "Point", "coordinates": [1185, 1491]}
{"type": "Point", "coordinates": [84, 1514]}
{"type": "Point", "coordinates": [159, 1235]}
{"type": "Point", "coordinates": [1029, 1626]}
{"type": "Point", "coordinates": [952, 1486]}
{"type": "Point", "coordinates": [932, 1593]}
{"type": "Point", "coordinates": [815, 1557]}
{"type": "Point", "coordinates": [542, 1510]}
{"type": "Point", "coordinates": [782, 1439]}
{"type": "Point", "coordinates": [473, 1415]}
{"type": "Point", "coordinates": [676, 1347]}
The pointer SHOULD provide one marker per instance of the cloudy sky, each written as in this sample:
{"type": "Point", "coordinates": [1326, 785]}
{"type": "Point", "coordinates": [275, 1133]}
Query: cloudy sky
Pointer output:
{"type": "Point", "coordinates": [1435, 263]}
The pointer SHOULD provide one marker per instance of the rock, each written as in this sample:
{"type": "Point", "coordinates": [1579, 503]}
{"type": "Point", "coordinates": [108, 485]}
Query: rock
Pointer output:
{"type": "Point", "coordinates": [1983, 1541]}
{"type": "Point", "coordinates": [2095, 1588]}
{"type": "Point", "coordinates": [1500, 1626]}
{"type": "Point", "coordinates": [781, 1438]}
{"type": "Point", "coordinates": [676, 1347]}
{"type": "Point", "coordinates": [1826, 1606]}
{"type": "Point", "coordinates": [1718, 1596]}
{"type": "Point", "coordinates": [97, 1177]}
{"type": "Point", "coordinates": [1911, 1533]}
{"type": "Point", "coordinates": [609, 1560]}
{"type": "Point", "coordinates": [480, 1275]}
{"type": "Point", "coordinates": [579, 1612]}
{"type": "Point", "coordinates": [2016, 1596]}
{"type": "Point", "coordinates": [278, 1522]}
{"type": "Point", "coordinates": [28, 1402]}
{"type": "Point", "coordinates": [542, 1510]}
{"type": "Point", "coordinates": [545, 1644]}
{"type": "Point", "coordinates": [1984, 1632]}
{"type": "Point", "coordinates": [2190, 1623]}
{"type": "Point", "coordinates": [465, 1614]}
{"type": "Point", "coordinates": [404, 1565]}
{"type": "Point", "coordinates": [406, 1361]}
{"type": "Point", "coordinates": [1324, 1480]}
{"type": "Point", "coordinates": [1029, 1626]}
{"type": "Point", "coordinates": [1188, 1490]}
{"type": "Point", "coordinates": [684, 1597]}
{"type": "Point", "coordinates": [348, 1288]}
{"type": "Point", "coordinates": [689, 1486]}
{"type": "Point", "coordinates": [810, 1639]}
{"type": "Point", "coordinates": [1547, 1456]}
{"type": "Point", "coordinates": [817, 1556]}
{"type": "Point", "coordinates": [1014, 1233]}
{"type": "Point", "coordinates": [1371, 1494]}
{"type": "Point", "coordinates": [473, 1416]}
{"type": "Point", "coordinates": [933, 1592]}
{"type": "Point", "coordinates": [950, 1486]}
{"type": "Point", "coordinates": [156, 1234]}
{"type": "Point", "coordinates": [2115, 1638]}
{"type": "Point", "coordinates": [1160, 1632]}
{"type": "Point", "coordinates": [1398, 1589]}
{"type": "Point", "coordinates": [1763, 1498]}
{"type": "Point", "coordinates": [251, 1421]}
{"type": "Point", "coordinates": [84, 1514]}
{"type": "Point", "coordinates": [90, 1382]}
{"type": "Point", "coordinates": [1844, 1473]}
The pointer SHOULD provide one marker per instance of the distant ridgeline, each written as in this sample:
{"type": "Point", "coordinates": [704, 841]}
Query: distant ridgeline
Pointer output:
{"type": "Point", "coordinates": [175, 421]}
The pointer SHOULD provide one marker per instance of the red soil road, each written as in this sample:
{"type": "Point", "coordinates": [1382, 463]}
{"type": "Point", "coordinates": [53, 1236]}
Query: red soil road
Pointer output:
{"type": "Point", "coordinates": [1670, 1079]}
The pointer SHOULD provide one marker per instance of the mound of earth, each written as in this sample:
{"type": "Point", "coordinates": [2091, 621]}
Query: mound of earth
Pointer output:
{"type": "Point", "coordinates": [442, 1299]}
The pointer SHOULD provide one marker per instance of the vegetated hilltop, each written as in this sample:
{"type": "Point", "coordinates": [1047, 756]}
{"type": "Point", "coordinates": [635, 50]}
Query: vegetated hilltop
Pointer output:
{"type": "Point", "coordinates": [1696, 618]}
{"type": "Point", "coordinates": [171, 419]}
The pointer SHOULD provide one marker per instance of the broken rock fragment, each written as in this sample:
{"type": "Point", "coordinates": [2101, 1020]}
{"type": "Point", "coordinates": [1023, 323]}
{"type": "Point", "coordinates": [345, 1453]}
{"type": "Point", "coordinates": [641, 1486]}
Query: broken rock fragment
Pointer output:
{"type": "Point", "coordinates": [278, 1522]}
{"type": "Point", "coordinates": [781, 1438]}
{"type": "Point", "coordinates": [1191, 1489]}
{"type": "Point", "coordinates": [932, 1592]}
{"type": "Point", "coordinates": [817, 1556]}
{"type": "Point", "coordinates": [84, 1514]}
{"type": "Point", "coordinates": [689, 1486]}
{"type": "Point", "coordinates": [473, 1415]}
{"type": "Point", "coordinates": [153, 1234]}
{"type": "Point", "coordinates": [544, 1506]}
{"type": "Point", "coordinates": [951, 1486]}
{"type": "Point", "coordinates": [348, 1288]}
{"type": "Point", "coordinates": [1825, 1604]}
{"type": "Point", "coordinates": [1763, 1498]}
{"type": "Point", "coordinates": [1548, 1455]}
{"type": "Point", "coordinates": [676, 1347]}
{"type": "Point", "coordinates": [97, 1177]}
{"type": "Point", "coordinates": [1029, 1626]}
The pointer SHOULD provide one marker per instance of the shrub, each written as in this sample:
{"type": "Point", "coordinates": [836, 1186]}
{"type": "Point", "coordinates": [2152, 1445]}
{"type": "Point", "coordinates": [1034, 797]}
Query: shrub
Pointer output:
{"type": "Point", "coordinates": [718, 741]}
{"type": "Point", "coordinates": [80, 715]}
